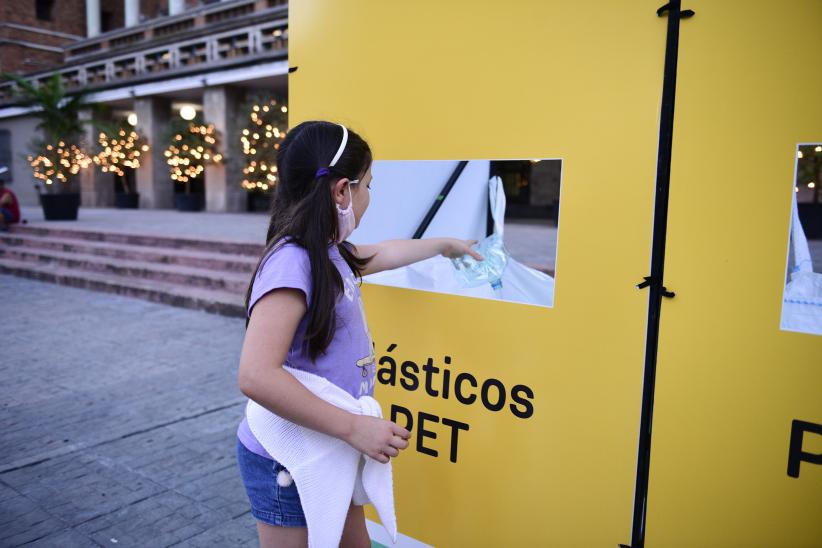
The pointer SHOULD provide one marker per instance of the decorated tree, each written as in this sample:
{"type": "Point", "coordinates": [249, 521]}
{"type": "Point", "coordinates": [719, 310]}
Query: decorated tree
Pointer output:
{"type": "Point", "coordinates": [260, 140]}
{"type": "Point", "coordinates": [119, 148]}
{"type": "Point", "coordinates": [193, 146]}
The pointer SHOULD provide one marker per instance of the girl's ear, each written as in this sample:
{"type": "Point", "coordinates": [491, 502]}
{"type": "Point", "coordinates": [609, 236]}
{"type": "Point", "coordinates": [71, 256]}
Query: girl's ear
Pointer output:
{"type": "Point", "coordinates": [338, 191]}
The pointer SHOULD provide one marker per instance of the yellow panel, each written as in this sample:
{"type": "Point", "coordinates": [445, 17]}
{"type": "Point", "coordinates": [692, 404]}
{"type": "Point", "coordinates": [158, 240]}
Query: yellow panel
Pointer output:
{"type": "Point", "coordinates": [729, 381]}
{"type": "Point", "coordinates": [540, 79]}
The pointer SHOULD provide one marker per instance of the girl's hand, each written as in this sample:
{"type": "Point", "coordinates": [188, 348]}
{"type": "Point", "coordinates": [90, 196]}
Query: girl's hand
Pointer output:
{"type": "Point", "coordinates": [378, 438]}
{"type": "Point", "coordinates": [454, 248]}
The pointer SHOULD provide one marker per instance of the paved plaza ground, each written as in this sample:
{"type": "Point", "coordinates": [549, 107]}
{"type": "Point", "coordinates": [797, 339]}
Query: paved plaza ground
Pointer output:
{"type": "Point", "coordinates": [118, 422]}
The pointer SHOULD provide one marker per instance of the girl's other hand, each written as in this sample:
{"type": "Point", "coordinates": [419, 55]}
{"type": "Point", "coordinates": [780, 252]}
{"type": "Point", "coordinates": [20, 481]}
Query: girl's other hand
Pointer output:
{"type": "Point", "coordinates": [378, 438]}
{"type": "Point", "coordinates": [454, 248]}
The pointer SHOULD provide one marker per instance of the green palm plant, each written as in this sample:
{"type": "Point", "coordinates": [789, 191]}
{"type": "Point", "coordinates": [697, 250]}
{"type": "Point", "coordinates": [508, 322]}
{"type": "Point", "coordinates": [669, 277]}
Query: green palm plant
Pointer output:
{"type": "Point", "coordinates": [58, 154]}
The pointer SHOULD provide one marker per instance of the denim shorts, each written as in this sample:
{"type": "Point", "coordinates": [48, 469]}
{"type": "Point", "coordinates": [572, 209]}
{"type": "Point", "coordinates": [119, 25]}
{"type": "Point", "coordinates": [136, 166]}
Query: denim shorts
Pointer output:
{"type": "Point", "coordinates": [270, 502]}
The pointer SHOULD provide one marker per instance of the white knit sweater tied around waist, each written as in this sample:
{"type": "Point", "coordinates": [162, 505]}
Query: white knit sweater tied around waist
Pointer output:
{"type": "Point", "coordinates": [329, 473]}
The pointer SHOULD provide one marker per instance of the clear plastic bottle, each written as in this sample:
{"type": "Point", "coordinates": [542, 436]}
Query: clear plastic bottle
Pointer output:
{"type": "Point", "coordinates": [474, 273]}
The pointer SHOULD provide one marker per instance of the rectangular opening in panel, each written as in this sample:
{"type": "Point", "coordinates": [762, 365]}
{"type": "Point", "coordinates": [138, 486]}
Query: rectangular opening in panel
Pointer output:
{"type": "Point", "coordinates": [802, 296]}
{"type": "Point", "coordinates": [511, 207]}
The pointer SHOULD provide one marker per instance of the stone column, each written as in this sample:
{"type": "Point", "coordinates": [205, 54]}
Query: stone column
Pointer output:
{"type": "Point", "coordinates": [176, 7]}
{"type": "Point", "coordinates": [153, 181]}
{"type": "Point", "coordinates": [132, 11]}
{"type": "Point", "coordinates": [223, 191]}
{"type": "Point", "coordinates": [96, 187]}
{"type": "Point", "coordinates": [92, 18]}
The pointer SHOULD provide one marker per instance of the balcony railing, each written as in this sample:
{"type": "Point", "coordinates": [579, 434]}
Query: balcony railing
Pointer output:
{"type": "Point", "coordinates": [213, 36]}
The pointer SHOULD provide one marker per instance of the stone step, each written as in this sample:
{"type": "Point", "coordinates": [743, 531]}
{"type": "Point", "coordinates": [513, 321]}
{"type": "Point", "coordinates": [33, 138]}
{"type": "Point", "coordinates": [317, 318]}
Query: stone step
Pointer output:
{"type": "Point", "coordinates": [208, 300]}
{"type": "Point", "coordinates": [174, 242]}
{"type": "Point", "coordinates": [200, 259]}
{"type": "Point", "coordinates": [80, 263]}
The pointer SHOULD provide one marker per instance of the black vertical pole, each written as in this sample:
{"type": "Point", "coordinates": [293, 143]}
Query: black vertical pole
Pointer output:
{"type": "Point", "coordinates": [432, 211]}
{"type": "Point", "coordinates": [655, 281]}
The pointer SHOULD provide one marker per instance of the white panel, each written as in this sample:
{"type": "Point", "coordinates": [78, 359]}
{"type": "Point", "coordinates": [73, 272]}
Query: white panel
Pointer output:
{"type": "Point", "coordinates": [404, 190]}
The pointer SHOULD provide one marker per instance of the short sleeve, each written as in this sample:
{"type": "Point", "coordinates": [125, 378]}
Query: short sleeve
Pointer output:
{"type": "Point", "coordinates": [287, 266]}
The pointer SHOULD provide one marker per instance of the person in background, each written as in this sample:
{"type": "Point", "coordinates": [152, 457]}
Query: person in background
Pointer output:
{"type": "Point", "coordinates": [9, 208]}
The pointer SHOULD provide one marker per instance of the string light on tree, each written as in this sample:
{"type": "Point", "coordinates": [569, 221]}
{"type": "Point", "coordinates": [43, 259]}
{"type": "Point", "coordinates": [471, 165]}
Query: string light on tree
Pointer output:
{"type": "Point", "coordinates": [120, 151]}
{"type": "Point", "coordinates": [192, 148]}
{"type": "Point", "coordinates": [260, 141]}
{"type": "Point", "coordinates": [59, 163]}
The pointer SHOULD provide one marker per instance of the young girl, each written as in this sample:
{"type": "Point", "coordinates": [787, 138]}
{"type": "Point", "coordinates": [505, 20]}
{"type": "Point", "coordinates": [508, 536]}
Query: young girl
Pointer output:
{"type": "Point", "coordinates": [304, 310]}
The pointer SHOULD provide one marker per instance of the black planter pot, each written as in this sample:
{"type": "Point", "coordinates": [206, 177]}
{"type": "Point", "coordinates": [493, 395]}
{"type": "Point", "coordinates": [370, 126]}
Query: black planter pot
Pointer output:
{"type": "Point", "coordinates": [60, 207]}
{"type": "Point", "coordinates": [810, 215]}
{"type": "Point", "coordinates": [189, 202]}
{"type": "Point", "coordinates": [258, 201]}
{"type": "Point", "coordinates": [124, 200]}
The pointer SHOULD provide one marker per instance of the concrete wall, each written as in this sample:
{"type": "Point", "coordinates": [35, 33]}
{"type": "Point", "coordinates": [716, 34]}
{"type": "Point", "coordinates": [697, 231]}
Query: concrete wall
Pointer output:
{"type": "Point", "coordinates": [222, 181]}
{"type": "Point", "coordinates": [23, 130]}
{"type": "Point", "coordinates": [153, 181]}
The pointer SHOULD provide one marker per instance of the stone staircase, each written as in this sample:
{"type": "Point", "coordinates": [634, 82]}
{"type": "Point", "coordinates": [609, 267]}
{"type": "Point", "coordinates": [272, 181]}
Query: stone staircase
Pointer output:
{"type": "Point", "coordinates": [190, 273]}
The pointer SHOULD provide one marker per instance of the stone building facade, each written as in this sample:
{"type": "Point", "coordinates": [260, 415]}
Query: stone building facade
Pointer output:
{"type": "Point", "coordinates": [147, 59]}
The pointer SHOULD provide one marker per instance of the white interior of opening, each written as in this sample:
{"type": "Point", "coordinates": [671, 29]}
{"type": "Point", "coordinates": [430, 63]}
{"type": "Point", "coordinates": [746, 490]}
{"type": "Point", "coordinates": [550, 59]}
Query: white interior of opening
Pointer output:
{"type": "Point", "coordinates": [802, 295]}
{"type": "Point", "coordinates": [521, 258]}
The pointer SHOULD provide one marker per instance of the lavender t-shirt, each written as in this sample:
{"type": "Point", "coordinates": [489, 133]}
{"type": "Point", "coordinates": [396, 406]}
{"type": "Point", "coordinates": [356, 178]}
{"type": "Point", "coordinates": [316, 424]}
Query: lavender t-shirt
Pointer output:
{"type": "Point", "coordinates": [348, 362]}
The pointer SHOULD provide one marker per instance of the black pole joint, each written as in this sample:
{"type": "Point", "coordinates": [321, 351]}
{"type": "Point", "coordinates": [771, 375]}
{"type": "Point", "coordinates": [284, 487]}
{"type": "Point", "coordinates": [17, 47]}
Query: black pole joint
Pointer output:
{"type": "Point", "coordinates": [683, 14]}
{"type": "Point", "coordinates": [649, 280]}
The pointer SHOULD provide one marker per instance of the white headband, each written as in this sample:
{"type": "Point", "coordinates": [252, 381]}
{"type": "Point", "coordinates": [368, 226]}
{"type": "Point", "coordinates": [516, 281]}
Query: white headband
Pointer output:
{"type": "Point", "coordinates": [342, 146]}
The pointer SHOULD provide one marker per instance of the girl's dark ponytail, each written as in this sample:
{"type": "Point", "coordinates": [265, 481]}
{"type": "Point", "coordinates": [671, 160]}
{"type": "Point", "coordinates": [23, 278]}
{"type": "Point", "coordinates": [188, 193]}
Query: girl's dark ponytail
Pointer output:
{"type": "Point", "coordinates": [303, 212]}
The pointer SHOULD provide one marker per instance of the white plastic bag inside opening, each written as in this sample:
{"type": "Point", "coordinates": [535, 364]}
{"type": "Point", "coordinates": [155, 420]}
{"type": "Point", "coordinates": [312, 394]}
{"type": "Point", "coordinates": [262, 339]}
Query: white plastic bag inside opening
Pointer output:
{"type": "Point", "coordinates": [518, 283]}
{"type": "Point", "coordinates": [802, 300]}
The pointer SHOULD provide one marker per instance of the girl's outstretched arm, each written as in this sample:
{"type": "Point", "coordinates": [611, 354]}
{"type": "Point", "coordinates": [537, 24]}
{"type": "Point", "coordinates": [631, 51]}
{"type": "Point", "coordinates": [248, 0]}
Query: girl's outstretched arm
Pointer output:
{"type": "Point", "coordinates": [396, 253]}
{"type": "Point", "coordinates": [261, 377]}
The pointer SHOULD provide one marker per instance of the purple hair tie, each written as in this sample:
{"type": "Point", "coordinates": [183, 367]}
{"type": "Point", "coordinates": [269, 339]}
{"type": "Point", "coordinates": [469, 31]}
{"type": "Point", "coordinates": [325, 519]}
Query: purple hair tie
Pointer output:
{"type": "Point", "coordinates": [322, 171]}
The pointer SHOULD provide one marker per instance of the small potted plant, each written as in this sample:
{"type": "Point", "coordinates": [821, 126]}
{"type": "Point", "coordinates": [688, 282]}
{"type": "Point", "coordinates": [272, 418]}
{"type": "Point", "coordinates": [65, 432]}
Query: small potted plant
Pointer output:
{"type": "Point", "coordinates": [119, 149]}
{"type": "Point", "coordinates": [58, 155]}
{"type": "Point", "coordinates": [193, 146]}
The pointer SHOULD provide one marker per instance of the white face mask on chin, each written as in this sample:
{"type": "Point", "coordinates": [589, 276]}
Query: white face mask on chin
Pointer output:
{"type": "Point", "coordinates": [346, 222]}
